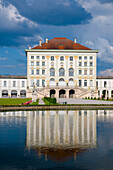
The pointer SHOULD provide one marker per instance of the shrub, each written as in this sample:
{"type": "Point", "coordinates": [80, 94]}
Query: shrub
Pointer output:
{"type": "Point", "coordinates": [107, 98]}
{"type": "Point", "coordinates": [98, 98]}
{"type": "Point", "coordinates": [50, 100]}
{"type": "Point", "coordinates": [95, 98]}
{"type": "Point", "coordinates": [85, 97]}
{"type": "Point", "coordinates": [88, 97]}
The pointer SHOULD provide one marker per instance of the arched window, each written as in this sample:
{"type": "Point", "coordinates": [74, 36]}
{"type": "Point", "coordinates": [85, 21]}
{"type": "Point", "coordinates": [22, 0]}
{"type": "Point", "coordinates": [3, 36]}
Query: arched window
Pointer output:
{"type": "Point", "coordinates": [61, 72]}
{"type": "Point", "coordinates": [52, 79]}
{"type": "Point", "coordinates": [52, 72]}
{"type": "Point", "coordinates": [13, 93]}
{"type": "Point", "coordinates": [71, 79]}
{"type": "Point", "coordinates": [4, 93]}
{"type": "Point", "coordinates": [22, 93]}
{"type": "Point", "coordinates": [61, 79]}
{"type": "Point", "coordinates": [71, 72]}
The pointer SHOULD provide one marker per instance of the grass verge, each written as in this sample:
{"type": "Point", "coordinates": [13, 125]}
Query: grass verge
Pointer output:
{"type": "Point", "coordinates": [14, 101]}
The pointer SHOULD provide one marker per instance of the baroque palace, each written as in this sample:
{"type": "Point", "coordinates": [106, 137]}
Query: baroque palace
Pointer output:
{"type": "Point", "coordinates": [59, 68]}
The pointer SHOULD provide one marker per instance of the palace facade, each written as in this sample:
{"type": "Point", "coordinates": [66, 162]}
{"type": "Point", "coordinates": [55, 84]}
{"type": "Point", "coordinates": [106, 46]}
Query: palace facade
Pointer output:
{"type": "Point", "coordinates": [59, 68]}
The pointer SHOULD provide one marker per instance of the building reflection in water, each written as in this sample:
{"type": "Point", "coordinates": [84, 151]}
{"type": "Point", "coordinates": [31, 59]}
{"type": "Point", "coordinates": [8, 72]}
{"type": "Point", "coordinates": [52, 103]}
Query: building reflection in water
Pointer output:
{"type": "Point", "coordinates": [61, 134]}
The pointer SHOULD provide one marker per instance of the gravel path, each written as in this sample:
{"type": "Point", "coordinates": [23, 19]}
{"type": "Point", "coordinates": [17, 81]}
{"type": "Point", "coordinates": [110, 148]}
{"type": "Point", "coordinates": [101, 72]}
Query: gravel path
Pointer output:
{"type": "Point", "coordinates": [82, 101]}
{"type": "Point", "coordinates": [41, 102]}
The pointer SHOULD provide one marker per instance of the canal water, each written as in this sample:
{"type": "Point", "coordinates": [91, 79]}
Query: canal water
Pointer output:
{"type": "Point", "coordinates": [74, 139]}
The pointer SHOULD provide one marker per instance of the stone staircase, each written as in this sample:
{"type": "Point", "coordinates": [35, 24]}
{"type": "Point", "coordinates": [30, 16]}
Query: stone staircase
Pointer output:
{"type": "Point", "coordinates": [80, 92]}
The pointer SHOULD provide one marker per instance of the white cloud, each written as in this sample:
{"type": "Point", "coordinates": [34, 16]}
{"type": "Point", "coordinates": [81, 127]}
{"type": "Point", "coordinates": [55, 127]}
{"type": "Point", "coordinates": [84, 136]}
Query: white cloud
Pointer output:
{"type": "Point", "coordinates": [10, 17]}
{"type": "Point", "coordinates": [107, 72]}
{"type": "Point", "coordinates": [98, 34]}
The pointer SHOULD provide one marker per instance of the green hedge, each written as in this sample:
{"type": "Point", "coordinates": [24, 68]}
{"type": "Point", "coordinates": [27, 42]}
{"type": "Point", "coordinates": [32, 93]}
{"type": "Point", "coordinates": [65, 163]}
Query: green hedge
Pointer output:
{"type": "Point", "coordinates": [49, 100]}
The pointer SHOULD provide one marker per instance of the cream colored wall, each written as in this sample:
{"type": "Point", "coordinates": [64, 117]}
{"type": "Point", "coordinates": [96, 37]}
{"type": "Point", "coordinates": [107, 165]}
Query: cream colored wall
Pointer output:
{"type": "Point", "coordinates": [66, 66]}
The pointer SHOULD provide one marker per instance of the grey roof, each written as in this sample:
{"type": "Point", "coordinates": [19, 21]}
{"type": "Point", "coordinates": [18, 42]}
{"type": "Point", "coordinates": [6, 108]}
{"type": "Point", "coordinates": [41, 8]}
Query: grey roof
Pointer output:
{"type": "Point", "coordinates": [13, 77]}
{"type": "Point", "coordinates": [104, 77]}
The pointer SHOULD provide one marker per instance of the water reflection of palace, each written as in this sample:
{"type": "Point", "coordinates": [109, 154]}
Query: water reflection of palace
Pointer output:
{"type": "Point", "coordinates": [61, 132]}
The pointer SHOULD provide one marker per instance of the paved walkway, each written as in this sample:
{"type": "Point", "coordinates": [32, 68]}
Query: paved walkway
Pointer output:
{"type": "Point", "coordinates": [41, 102]}
{"type": "Point", "coordinates": [82, 101]}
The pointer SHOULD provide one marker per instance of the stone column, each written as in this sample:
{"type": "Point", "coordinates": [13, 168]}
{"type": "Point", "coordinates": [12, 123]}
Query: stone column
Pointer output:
{"type": "Point", "coordinates": [100, 93]}
{"type": "Point", "coordinates": [57, 94]}
{"type": "Point", "coordinates": [57, 70]}
{"type": "Point", "coordinates": [67, 70]}
{"type": "Point", "coordinates": [48, 73]}
{"type": "Point", "coordinates": [75, 68]}
{"type": "Point", "coordinates": [109, 94]}
{"type": "Point", "coordinates": [67, 93]}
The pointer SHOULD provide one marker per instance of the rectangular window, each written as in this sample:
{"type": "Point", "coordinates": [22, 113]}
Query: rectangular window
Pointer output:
{"type": "Point", "coordinates": [43, 71]}
{"type": "Point", "coordinates": [91, 72]}
{"type": "Point", "coordinates": [14, 83]}
{"type": "Point", "coordinates": [43, 57]}
{"type": "Point", "coordinates": [80, 72]}
{"type": "Point", "coordinates": [80, 63]}
{"type": "Point", "coordinates": [91, 57]}
{"type": "Point", "coordinates": [91, 63]}
{"type": "Point", "coordinates": [80, 57]}
{"type": "Point", "coordinates": [23, 83]}
{"type": "Point", "coordinates": [43, 63]}
{"type": "Point", "coordinates": [5, 83]}
{"type": "Point", "coordinates": [85, 58]}
{"type": "Point", "coordinates": [85, 63]}
{"type": "Point", "coordinates": [32, 72]}
{"type": "Point", "coordinates": [52, 58]}
{"type": "Point", "coordinates": [85, 72]}
{"type": "Point", "coordinates": [61, 58]}
{"type": "Point", "coordinates": [97, 84]}
{"type": "Point", "coordinates": [32, 63]}
{"type": "Point", "coordinates": [80, 82]}
{"type": "Point", "coordinates": [85, 82]}
{"type": "Point", "coordinates": [32, 82]}
{"type": "Point", "coordinates": [91, 83]}
{"type": "Point", "coordinates": [32, 57]}
{"type": "Point", "coordinates": [37, 72]}
{"type": "Point", "coordinates": [43, 82]}
{"type": "Point", "coordinates": [38, 83]}
{"type": "Point", "coordinates": [37, 63]}
{"type": "Point", "coordinates": [71, 58]}
{"type": "Point", "coordinates": [37, 57]}
{"type": "Point", "coordinates": [105, 83]}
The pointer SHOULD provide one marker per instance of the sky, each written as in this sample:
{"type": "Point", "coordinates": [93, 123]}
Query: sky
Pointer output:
{"type": "Point", "coordinates": [23, 23]}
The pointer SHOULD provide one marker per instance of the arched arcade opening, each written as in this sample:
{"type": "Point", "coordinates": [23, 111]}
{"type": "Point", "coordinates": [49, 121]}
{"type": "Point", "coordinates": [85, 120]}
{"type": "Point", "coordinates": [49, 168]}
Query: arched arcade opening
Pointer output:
{"type": "Point", "coordinates": [62, 93]}
{"type": "Point", "coordinates": [71, 93]}
{"type": "Point", "coordinates": [52, 93]}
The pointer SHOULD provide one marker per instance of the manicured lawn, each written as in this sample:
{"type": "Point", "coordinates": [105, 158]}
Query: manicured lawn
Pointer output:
{"type": "Point", "coordinates": [12, 101]}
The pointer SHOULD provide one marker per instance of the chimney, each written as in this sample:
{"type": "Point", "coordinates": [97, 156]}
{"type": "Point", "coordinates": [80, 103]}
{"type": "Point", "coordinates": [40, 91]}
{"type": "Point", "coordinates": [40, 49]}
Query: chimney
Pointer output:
{"type": "Point", "coordinates": [40, 42]}
{"type": "Point", "coordinates": [29, 47]}
{"type": "Point", "coordinates": [46, 40]}
{"type": "Point", "coordinates": [75, 40]}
